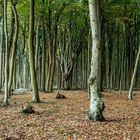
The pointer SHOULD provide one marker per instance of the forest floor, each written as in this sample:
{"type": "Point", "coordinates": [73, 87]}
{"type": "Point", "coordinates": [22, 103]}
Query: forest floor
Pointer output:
{"type": "Point", "coordinates": [65, 119]}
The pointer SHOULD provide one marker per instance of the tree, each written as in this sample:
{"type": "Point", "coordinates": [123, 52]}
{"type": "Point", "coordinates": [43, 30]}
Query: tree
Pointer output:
{"type": "Point", "coordinates": [67, 58]}
{"type": "Point", "coordinates": [14, 45]}
{"type": "Point", "coordinates": [6, 54]}
{"type": "Point", "coordinates": [35, 97]}
{"type": "Point", "coordinates": [1, 50]}
{"type": "Point", "coordinates": [53, 44]}
{"type": "Point", "coordinates": [133, 76]}
{"type": "Point", "coordinates": [96, 104]}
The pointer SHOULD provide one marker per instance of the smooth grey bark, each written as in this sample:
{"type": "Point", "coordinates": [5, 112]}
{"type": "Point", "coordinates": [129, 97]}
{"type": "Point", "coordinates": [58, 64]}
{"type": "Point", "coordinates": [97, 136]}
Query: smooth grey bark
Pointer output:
{"type": "Point", "coordinates": [14, 75]}
{"type": "Point", "coordinates": [133, 76]}
{"type": "Point", "coordinates": [25, 73]}
{"type": "Point", "coordinates": [37, 40]}
{"type": "Point", "coordinates": [96, 104]}
{"type": "Point", "coordinates": [43, 56]}
{"type": "Point", "coordinates": [6, 102]}
{"type": "Point", "coordinates": [14, 44]}
{"type": "Point", "coordinates": [2, 53]}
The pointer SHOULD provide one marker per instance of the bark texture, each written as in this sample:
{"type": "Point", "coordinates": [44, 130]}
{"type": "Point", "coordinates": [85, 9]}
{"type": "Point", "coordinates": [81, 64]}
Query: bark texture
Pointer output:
{"type": "Point", "coordinates": [14, 45]}
{"type": "Point", "coordinates": [133, 76]}
{"type": "Point", "coordinates": [35, 97]}
{"type": "Point", "coordinates": [96, 104]}
{"type": "Point", "coordinates": [6, 54]}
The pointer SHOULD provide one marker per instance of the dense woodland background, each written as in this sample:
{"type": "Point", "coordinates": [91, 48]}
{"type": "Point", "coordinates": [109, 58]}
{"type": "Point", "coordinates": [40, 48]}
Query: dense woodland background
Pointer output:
{"type": "Point", "coordinates": [62, 44]}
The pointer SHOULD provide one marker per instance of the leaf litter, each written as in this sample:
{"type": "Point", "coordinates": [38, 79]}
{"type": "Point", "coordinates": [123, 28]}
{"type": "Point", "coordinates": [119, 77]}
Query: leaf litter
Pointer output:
{"type": "Point", "coordinates": [66, 119]}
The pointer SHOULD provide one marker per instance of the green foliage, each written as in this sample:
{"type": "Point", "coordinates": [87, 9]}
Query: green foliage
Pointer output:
{"type": "Point", "coordinates": [23, 8]}
{"type": "Point", "coordinates": [1, 11]}
{"type": "Point", "coordinates": [120, 11]}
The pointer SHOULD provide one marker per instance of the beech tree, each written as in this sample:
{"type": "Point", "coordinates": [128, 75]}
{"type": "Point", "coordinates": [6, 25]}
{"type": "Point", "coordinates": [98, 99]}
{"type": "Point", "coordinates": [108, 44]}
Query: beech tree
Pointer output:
{"type": "Point", "coordinates": [35, 97]}
{"type": "Point", "coordinates": [14, 46]}
{"type": "Point", "coordinates": [133, 76]}
{"type": "Point", "coordinates": [6, 54]}
{"type": "Point", "coordinates": [96, 104]}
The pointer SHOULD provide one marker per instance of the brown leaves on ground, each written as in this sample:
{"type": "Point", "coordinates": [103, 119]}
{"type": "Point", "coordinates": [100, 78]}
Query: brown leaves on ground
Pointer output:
{"type": "Point", "coordinates": [66, 119]}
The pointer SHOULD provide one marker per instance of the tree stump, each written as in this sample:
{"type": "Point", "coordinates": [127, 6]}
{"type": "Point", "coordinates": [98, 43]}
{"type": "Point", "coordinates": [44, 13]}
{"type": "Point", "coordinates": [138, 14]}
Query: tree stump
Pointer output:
{"type": "Point", "coordinates": [27, 110]}
{"type": "Point", "coordinates": [60, 96]}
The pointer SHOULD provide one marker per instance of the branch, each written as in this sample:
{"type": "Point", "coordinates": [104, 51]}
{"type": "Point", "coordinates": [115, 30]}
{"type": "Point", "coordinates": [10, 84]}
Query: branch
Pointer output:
{"type": "Point", "coordinates": [138, 4]}
{"type": "Point", "coordinates": [61, 65]}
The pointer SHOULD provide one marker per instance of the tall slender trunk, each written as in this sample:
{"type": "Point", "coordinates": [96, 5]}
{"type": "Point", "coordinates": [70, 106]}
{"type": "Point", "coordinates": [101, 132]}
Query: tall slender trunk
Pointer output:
{"type": "Point", "coordinates": [103, 62]}
{"type": "Point", "coordinates": [43, 56]}
{"type": "Point", "coordinates": [49, 64]}
{"type": "Point", "coordinates": [2, 52]}
{"type": "Point", "coordinates": [53, 62]}
{"type": "Point", "coordinates": [35, 96]}
{"type": "Point", "coordinates": [14, 74]}
{"type": "Point", "coordinates": [37, 42]}
{"type": "Point", "coordinates": [89, 61]}
{"type": "Point", "coordinates": [37, 46]}
{"type": "Point", "coordinates": [133, 76]}
{"type": "Point", "coordinates": [14, 44]}
{"type": "Point", "coordinates": [24, 73]}
{"type": "Point", "coordinates": [6, 102]}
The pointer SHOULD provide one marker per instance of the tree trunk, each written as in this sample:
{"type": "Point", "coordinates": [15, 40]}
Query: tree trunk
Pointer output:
{"type": "Point", "coordinates": [35, 97]}
{"type": "Point", "coordinates": [96, 104]}
{"type": "Point", "coordinates": [133, 76]}
{"type": "Point", "coordinates": [49, 64]}
{"type": "Point", "coordinates": [89, 61]}
{"type": "Point", "coordinates": [14, 44]}
{"type": "Point", "coordinates": [43, 56]}
{"type": "Point", "coordinates": [14, 75]}
{"type": "Point", "coordinates": [2, 54]}
{"type": "Point", "coordinates": [6, 54]}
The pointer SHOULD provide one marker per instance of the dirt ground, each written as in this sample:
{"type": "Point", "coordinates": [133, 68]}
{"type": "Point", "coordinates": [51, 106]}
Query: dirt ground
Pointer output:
{"type": "Point", "coordinates": [65, 119]}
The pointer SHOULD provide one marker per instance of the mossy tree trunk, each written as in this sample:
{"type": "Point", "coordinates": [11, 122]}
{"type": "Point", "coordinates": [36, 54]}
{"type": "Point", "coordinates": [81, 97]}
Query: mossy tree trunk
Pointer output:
{"type": "Point", "coordinates": [96, 104]}
{"type": "Point", "coordinates": [35, 97]}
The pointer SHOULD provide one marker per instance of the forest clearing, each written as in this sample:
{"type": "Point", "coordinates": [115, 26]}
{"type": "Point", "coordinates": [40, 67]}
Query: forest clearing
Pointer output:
{"type": "Point", "coordinates": [65, 119]}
